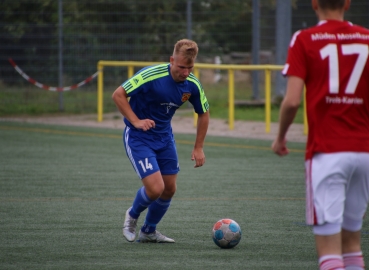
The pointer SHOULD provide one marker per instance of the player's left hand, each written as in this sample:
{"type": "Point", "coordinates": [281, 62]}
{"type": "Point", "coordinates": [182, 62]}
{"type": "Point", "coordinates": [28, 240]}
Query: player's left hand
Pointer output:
{"type": "Point", "coordinates": [198, 156]}
{"type": "Point", "coordinates": [280, 148]}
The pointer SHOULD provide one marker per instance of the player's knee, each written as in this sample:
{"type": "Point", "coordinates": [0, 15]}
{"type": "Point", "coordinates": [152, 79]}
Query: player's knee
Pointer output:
{"type": "Point", "coordinates": [154, 191]}
{"type": "Point", "coordinates": [170, 190]}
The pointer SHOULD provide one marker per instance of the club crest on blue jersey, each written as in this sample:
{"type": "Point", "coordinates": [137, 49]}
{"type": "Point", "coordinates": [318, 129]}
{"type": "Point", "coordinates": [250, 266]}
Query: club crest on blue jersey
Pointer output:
{"type": "Point", "coordinates": [185, 97]}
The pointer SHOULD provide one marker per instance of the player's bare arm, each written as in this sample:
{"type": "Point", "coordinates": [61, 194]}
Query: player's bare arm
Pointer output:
{"type": "Point", "coordinates": [289, 107]}
{"type": "Point", "coordinates": [202, 127]}
{"type": "Point", "coordinates": [121, 101]}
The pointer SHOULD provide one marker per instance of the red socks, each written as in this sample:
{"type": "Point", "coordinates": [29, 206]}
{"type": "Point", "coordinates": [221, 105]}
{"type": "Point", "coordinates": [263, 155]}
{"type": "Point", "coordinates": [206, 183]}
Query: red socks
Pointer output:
{"type": "Point", "coordinates": [331, 262]}
{"type": "Point", "coordinates": [354, 261]}
{"type": "Point", "coordinates": [348, 261]}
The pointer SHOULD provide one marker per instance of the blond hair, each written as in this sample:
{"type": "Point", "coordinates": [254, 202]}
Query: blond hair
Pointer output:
{"type": "Point", "coordinates": [186, 48]}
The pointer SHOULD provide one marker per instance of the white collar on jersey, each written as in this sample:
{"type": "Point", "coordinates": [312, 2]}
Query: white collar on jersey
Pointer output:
{"type": "Point", "coordinates": [325, 21]}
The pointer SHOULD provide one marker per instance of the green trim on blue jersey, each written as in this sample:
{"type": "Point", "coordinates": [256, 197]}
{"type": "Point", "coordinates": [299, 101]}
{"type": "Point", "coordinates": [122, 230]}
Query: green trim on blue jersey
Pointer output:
{"type": "Point", "coordinates": [145, 76]}
{"type": "Point", "coordinates": [204, 101]}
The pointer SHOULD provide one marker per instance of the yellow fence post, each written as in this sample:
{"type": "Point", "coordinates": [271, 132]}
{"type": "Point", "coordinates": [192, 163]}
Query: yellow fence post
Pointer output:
{"type": "Point", "coordinates": [100, 77]}
{"type": "Point", "coordinates": [131, 71]}
{"type": "Point", "coordinates": [231, 98]}
{"type": "Point", "coordinates": [267, 100]}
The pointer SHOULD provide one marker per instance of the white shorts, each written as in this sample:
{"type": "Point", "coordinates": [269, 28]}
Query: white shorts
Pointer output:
{"type": "Point", "coordinates": [337, 189]}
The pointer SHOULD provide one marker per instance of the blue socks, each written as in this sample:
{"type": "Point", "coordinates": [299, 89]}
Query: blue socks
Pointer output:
{"type": "Point", "coordinates": [140, 203]}
{"type": "Point", "coordinates": [156, 211]}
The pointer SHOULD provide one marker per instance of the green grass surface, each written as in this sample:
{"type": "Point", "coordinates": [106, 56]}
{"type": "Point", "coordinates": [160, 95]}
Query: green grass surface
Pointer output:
{"type": "Point", "coordinates": [64, 192]}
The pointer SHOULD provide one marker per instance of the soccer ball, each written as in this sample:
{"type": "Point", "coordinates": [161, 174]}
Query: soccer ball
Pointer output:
{"type": "Point", "coordinates": [226, 233]}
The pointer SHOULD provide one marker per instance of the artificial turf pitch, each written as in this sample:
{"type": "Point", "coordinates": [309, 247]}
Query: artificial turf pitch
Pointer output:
{"type": "Point", "coordinates": [64, 192]}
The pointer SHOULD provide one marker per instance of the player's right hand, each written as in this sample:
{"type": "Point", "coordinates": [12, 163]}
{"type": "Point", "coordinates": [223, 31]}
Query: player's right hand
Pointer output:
{"type": "Point", "coordinates": [280, 148]}
{"type": "Point", "coordinates": [198, 156]}
{"type": "Point", "coordinates": [144, 124]}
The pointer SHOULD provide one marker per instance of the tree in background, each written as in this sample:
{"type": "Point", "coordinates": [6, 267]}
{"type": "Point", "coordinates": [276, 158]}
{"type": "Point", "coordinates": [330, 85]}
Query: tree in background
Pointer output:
{"type": "Point", "coordinates": [139, 30]}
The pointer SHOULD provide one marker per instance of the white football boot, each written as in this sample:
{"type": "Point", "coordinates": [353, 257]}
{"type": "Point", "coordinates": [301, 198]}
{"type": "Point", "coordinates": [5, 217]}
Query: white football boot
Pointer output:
{"type": "Point", "coordinates": [129, 227]}
{"type": "Point", "coordinates": [155, 237]}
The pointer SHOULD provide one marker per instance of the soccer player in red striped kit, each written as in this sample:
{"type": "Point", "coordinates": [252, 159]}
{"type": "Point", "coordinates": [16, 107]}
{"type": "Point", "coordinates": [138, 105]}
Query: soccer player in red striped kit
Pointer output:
{"type": "Point", "coordinates": [331, 60]}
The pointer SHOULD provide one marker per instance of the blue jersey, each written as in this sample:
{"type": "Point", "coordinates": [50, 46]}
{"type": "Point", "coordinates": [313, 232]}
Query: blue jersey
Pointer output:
{"type": "Point", "coordinates": [155, 95]}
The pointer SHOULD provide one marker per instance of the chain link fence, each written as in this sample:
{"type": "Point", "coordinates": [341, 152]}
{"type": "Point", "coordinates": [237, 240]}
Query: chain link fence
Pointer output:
{"type": "Point", "coordinates": [138, 30]}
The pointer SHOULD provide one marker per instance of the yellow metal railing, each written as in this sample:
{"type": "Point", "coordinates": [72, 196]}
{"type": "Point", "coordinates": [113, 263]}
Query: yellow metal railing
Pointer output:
{"type": "Point", "coordinates": [231, 68]}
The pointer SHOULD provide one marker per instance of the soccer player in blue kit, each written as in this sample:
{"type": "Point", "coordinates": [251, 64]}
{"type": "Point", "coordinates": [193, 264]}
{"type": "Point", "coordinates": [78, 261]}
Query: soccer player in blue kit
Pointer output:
{"type": "Point", "coordinates": [155, 93]}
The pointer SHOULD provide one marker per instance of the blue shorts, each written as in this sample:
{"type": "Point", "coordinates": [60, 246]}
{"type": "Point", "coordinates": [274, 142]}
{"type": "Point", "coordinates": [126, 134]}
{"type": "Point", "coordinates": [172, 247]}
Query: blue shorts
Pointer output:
{"type": "Point", "coordinates": [149, 154]}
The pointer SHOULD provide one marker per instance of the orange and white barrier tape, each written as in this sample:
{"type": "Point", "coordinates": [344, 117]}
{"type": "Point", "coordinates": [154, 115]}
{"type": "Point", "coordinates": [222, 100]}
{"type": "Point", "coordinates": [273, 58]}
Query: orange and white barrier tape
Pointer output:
{"type": "Point", "coordinates": [51, 88]}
